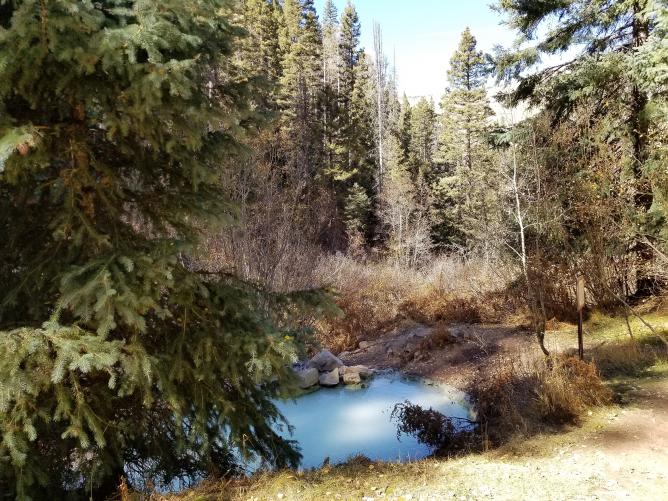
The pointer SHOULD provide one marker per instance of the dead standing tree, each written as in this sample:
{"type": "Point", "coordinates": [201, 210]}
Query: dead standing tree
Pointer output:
{"type": "Point", "coordinates": [380, 98]}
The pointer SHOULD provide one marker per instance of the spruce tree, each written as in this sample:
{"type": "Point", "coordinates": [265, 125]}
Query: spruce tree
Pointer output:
{"type": "Point", "coordinates": [464, 190]}
{"type": "Point", "coordinates": [651, 77]}
{"type": "Point", "coordinates": [262, 41]}
{"type": "Point", "coordinates": [349, 56]}
{"type": "Point", "coordinates": [330, 64]}
{"type": "Point", "coordinates": [118, 356]}
{"type": "Point", "coordinates": [422, 139]}
{"type": "Point", "coordinates": [404, 128]}
{"type": "Point", "coordinates": [357, 209]}
{"type": "Point", "coordinates": [361, 143]}
{"type": "Point", "coordinates": [301, 86]}
{"type": "Point", "coordinates": [465, 104]}
{"type": "Point", "coordinates": [349, 51]}
{"type": "Point", "coordinates": [611, 34]}
{"type": "Point", "coordinates": [330, 52]}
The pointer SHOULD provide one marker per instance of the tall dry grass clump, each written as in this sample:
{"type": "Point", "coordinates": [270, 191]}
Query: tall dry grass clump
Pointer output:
{"type": "Point", "coordinates": [524, 396]}
{"type": "Point", "coordinates": [630, 358]}
{"type": "Point", "coordinates": [378, 296]}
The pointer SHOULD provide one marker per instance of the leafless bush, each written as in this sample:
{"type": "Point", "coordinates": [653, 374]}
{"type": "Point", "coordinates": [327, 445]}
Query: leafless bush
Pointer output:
{"type": "Point", "coordinates": [281, 223]}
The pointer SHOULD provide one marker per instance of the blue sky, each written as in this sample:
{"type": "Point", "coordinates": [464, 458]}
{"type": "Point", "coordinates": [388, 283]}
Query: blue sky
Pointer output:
{"type": "Point", "coordinates": [424, 34]}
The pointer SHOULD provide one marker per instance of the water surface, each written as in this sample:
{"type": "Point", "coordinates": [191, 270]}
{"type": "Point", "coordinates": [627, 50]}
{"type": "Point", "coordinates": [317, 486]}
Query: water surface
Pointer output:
{"type": "Point", "coordinates": [341, 422]}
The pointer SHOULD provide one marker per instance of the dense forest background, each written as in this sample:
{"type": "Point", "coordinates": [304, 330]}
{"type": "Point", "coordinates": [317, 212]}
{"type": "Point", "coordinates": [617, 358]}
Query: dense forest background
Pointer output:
{"type": "Point", "coordinates": [350, 165]}
{"type": "Point", "coordinates": [174, 175]}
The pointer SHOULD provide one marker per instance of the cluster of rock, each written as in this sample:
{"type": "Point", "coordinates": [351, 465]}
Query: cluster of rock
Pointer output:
{"type": "Point", "coordinates": [326, 369]}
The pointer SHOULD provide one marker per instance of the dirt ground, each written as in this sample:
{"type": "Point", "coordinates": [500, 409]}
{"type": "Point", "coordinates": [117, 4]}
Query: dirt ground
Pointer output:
{"type": "Point", "coordinates": [475, 347]}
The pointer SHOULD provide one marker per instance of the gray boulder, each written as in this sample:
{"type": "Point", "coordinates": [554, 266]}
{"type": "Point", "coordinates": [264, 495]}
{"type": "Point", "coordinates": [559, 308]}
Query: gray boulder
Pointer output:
{"type": "Point", "coordinates": [350, 377]}
{"type": "Point", "coordinates": [362, 371]}
{"type": "Point", "coordinates": [325, 361]}
{"type": "Point", "coordinates": [330, 378]}
{"type": "Point", "coordinates": [308, 377]}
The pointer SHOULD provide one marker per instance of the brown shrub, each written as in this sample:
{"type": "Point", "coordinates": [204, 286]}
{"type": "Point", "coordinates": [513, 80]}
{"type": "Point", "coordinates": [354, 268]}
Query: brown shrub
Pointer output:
{"type": "Point", "coordinates": [444, 434]}
{"type": "Point", "coordinates": [377, 297]}
{"type": "Point", "coordinates": [369, 299]}
{"type": "Point", "coordinates": [526, 397]}
{"type": "Point", "coordinates": [568, 389]}
{"type": "Point", "coordinates": [434, 306]}
{"type": "Point", "coordinates": [438, 338]}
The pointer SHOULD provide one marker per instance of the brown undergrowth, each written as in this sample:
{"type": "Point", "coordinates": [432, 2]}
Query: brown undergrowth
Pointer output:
{"type": "Point", "coordinates": [377, 297]}
{"type": "Point", "coordinates": [524, 397]}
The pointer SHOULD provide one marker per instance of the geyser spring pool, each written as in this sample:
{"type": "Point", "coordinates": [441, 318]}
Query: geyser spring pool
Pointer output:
{"type": "Point", "coordinates": [338, 423]}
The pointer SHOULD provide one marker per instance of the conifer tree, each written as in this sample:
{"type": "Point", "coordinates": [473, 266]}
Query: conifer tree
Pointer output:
{"type": "Point", "coordinates": [464, 191]}
{"type": "Point", "coordinates": [610, 32]}
{"type": "Point", "coordinates": [357, 209]}
{"type": "Point", "coordinates": [330, 64]}
{"type": "Point", "coordinates": [404, 128]}
{"type": "Point", "coordinates": [465, 104]}
{"type": "Point", "coordinates": [117, 355]}
{"type": "Point", "coordinates": [260, 20]}
{"type": "Point", "coordinates": [349, 56]}
{"type": "Point", "coordinates": [651, 77]}
{"type": "Point", "coordinates": [301, 86]}
{"type": "Point", "coordinates": [330, 51]}
{"type": "Point", "coordinates": [422, 140]}
{"type": "Point", "coordinates": [301, 45]}
{"type": "Point", "coordinates": [360, 178]}
{"type": "Point", "coordinates": [361, 143]}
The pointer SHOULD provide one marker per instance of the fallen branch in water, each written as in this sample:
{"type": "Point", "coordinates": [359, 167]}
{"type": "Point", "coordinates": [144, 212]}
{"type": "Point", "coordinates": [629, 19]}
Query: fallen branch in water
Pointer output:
{"type": "Point", "coordinates": [430, 427]}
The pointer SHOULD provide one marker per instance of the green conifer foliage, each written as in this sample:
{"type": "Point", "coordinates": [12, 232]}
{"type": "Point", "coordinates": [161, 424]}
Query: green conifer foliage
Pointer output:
{"type": "Point", "coordinates": [330, 64]}
{"type": "Point", "coordinates": [301, 86]}
{"type": "Point", "coordinates": [116, 355]}
{"type": "Point", "coordinates": [361, 144]}
{"type": "Point", "coordinates": [349, 54]}
{"type": "Point", "coordinates": [609, 33]}
{"type": "Point", "coordinates": [464, 190]}
{"type": "Point", "coordinates": [301, 45]}
{"type": "Point", "coordinates": [422, 139]}
{"type": "Point", "coordinates": [650, 71]}
{"type": "Point", "coordinates": [262, 43]}
{"type": "Point", "coordinates": [357, 209]}
{"type": "Point", "coordinates": [404, 128]}
{"type": "Point", "coordinates": [465, 104]}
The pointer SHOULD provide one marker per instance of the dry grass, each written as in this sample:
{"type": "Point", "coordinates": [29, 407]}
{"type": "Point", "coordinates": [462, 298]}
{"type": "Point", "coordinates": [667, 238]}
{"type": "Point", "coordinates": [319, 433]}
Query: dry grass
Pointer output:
{"type": "Point", "coordinates": [524, 396]}
{"type": "Point", "coordinates": [377, 297]}
{"type": "Point", "coordinates": [629, 358]}
{"type": "Point", "coordinates": [616, 353]}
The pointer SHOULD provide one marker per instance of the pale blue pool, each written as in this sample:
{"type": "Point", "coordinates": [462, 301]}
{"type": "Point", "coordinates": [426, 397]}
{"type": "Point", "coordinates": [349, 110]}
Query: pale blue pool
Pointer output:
{"type": "Point", "coordinates": [338, 423]}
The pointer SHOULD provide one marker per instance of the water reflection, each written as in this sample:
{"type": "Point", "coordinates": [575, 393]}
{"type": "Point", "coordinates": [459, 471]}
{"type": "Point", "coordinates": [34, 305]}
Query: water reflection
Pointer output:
{"type": "Point", "coordinates": [341, 422]}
